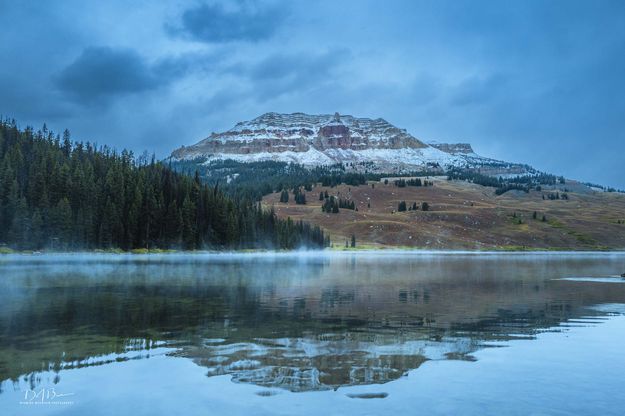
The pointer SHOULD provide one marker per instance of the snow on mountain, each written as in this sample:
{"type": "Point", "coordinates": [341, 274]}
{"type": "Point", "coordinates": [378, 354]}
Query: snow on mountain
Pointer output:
{"type": "Point", "coordinates": [314, 140]}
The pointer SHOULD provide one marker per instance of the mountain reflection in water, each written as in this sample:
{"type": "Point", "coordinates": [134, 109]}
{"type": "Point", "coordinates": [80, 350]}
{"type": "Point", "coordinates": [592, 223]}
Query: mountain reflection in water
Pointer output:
{"type": "Point", "coordinates": [295, 321]}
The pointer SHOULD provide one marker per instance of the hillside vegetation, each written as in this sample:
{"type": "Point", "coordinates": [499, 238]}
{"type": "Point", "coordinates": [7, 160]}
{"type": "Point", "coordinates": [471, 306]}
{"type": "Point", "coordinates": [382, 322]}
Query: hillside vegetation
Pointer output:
{"type": "Point", "coordinates": [63, 195]}
{"type": "Point", "coordinates": [465, 215]}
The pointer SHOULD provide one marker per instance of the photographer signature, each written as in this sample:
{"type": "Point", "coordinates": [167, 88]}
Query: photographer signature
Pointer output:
{"type": "Point", "coordinates": [45, 396]}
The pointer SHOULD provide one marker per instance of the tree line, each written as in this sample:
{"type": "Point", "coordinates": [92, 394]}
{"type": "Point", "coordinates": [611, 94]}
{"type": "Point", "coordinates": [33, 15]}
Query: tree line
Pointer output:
{"type": "Point", "coordinates": [521, 182]}
{"type": "Point", "coordinates": [255, 179]}
{"type": "Point", "coordinates": [403, 207]}
{"type": "Point", "coordinates": [402, 183]}
{"type": "Point", "coordinates": [59, 194]}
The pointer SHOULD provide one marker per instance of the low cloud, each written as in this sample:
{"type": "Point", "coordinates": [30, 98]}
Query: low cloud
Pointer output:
{"type": "Point", "coordinates": [216, 24]}
{"type": "Point", "coordinates": [293, 73]}
{"type": "Point", "coordinates": [100, 73]}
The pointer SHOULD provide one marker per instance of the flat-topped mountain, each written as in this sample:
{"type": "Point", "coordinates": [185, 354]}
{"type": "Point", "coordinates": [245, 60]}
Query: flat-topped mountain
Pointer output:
{"type": "Point", "coordinates": [313, 140]}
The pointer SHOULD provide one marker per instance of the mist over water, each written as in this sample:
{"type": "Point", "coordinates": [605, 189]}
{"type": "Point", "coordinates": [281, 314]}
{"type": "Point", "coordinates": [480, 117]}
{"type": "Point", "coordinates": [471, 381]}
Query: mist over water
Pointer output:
{"type": "Point", "coordinates": [280, 327]}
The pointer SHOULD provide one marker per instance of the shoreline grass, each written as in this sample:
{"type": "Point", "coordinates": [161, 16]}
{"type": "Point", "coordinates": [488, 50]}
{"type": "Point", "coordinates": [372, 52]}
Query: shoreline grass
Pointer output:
{"type": "Point", "coordinates": [359, 248]}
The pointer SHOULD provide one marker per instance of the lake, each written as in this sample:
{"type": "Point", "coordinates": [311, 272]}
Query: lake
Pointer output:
{"type": "Point", "coordinates": [332, 333]}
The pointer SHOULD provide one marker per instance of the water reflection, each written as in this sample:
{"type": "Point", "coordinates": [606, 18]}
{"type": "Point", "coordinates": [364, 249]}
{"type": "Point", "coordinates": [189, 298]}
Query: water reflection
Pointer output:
{"type": "Point", "coordinates": [298, 322]}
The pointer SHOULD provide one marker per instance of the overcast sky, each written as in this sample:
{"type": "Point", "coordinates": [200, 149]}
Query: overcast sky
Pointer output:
{"type": "Point", "coordinates": [541, 82]}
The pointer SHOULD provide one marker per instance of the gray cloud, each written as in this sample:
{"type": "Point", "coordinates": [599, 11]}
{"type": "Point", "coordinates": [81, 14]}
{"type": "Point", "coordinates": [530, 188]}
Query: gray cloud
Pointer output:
{"type": "Point", "coordinates": [244, 22]}
{"type": "Point", "coordinates": [179, 66]}
{"type": "Point", "coordinates": [293, 73]}
{"type": "Point", "coordinates": [101, 73]}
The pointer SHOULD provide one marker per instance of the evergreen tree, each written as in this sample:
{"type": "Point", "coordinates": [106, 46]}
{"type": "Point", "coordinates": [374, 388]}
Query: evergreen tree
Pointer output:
{"type": "Point", "coordinates": [300, 197]}
{"type": "Point", "coordinates": [63, 195]}
{"type": "Point", "coordinates": [60, 223]}
{"type": "Point", "coordinates": [189, 231]}
{"type": "Point", "coordinates": [173, 223]}
{"type": "Point", "coordinates": [36, 230]}
{"type": "Point", "coordinates": [20, 227]}
{"type": "Point", "coordinates": [331, 205]}
{"type": "Point", "coordinates": [106, 236]}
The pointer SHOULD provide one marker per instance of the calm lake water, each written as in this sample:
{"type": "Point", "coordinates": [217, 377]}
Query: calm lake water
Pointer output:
{"type": "Point", "coordinates": [313, 333]}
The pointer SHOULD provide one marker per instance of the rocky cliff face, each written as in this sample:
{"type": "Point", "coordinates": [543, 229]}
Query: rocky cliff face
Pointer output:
{"type": "Point", "coordinates": [301, 133]}
{"type": "Point", "coordinates": [326, 139]}
{"type": "Point", "coordinates": [453, 148]}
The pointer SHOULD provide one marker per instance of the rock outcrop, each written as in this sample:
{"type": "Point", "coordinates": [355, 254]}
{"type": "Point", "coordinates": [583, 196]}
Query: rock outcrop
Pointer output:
{"type": "Point", "coordinates": [313, 140]}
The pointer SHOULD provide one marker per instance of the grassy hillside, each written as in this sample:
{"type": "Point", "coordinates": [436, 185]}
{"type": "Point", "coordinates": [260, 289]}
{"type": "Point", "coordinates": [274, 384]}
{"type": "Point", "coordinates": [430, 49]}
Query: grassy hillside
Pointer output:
{"type": "Point", "coordinates": [464, 215]}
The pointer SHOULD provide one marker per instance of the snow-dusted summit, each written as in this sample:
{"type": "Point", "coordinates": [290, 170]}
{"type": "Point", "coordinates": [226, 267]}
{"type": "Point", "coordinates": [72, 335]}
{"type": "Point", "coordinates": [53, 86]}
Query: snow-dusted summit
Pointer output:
{"type": "Point", "coordinates": [313, 140]}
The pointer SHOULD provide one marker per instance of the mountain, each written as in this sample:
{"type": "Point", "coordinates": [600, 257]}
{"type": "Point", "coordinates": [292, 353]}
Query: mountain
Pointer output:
{"type": "Point", "coordinates": [360, 143]}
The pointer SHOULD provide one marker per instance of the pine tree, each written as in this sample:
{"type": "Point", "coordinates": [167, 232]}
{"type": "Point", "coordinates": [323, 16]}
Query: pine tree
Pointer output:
{"type": "Point", "coordinates": [67, 143]}
{"type": "Point", "coordinates": [300, 197]}
{"type": "Point", "coordinates": [173, 223]}
{"type": "Point", "coordinates": [61, 224]}
{"type": "Point", "coordinates": [107, 225]}
{"type": "Point", "coordinates": [189, 224]}
{"type": "Point", "coordinates": [37, 230]}
{"type": "Point", "coordinates": [61, 195]}
{"type": "Point", "coordinates": [20, 227]}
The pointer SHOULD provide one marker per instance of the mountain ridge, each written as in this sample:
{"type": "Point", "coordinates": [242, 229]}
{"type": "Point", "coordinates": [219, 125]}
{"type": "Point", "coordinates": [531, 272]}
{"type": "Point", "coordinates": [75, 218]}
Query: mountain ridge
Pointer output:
{"type": "Point", "coordinates": [325, 139]}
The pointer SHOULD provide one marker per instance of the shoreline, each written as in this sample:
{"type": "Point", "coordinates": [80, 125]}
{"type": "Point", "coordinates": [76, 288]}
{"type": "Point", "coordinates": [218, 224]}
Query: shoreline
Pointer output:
{"type": "Point", "coordinates": [328, 251]}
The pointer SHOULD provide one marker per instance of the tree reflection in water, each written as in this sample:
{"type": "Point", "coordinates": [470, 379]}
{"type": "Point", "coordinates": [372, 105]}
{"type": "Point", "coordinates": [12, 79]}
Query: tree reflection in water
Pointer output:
{"type": "Point", "coordinates": [300, 322]}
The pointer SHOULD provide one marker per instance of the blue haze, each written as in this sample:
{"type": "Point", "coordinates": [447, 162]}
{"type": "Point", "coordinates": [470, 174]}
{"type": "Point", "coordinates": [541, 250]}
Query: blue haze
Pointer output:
{"type": "Point", "coordinates": [541, 82]}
